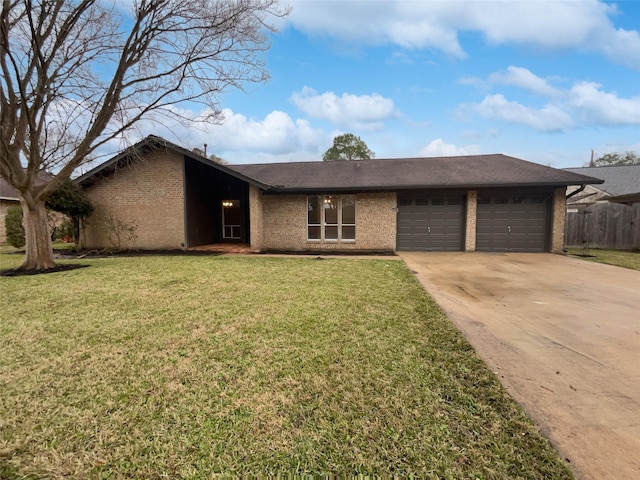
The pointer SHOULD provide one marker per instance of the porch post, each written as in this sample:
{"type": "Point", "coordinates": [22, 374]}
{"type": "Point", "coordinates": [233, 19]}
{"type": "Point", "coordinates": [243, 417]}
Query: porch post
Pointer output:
{"type": "Point", "coordinates": [470, 232]}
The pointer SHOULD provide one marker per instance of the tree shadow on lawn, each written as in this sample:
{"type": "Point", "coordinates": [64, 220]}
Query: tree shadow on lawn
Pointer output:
{"type": "Point", "coordinates": [82, 254]}
{"type": "Point", "coordinates": [12, 272]}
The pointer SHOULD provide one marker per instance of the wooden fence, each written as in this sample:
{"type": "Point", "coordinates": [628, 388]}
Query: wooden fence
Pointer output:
{"type": "Point", "coordinates": [603, 225]}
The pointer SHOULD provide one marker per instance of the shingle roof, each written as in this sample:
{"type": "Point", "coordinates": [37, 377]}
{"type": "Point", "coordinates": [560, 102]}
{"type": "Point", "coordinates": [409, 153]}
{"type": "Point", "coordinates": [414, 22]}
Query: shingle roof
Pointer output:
{"type": "Point", "coordinates": [618, 180]}
{"type": "Point", "coordinates": [7, 192]}
{"type": "Point", "coordinates": [472, 171]}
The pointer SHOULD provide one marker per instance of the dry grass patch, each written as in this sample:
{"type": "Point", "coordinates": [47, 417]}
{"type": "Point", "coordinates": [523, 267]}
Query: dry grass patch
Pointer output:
{"type": "Point", "coordinates": [188, 367]}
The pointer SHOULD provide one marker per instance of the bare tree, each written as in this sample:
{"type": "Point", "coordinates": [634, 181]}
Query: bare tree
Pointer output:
{"type": "Point", "coordinates": [78, 74]}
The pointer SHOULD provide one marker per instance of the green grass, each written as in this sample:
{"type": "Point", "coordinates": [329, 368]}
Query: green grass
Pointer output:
{"type": "Point", "coordinates": [619, 258]}
{"type": "Point", "coordinates": [56, 246]}
{"type": "Point", "coordinates": [187, 367]}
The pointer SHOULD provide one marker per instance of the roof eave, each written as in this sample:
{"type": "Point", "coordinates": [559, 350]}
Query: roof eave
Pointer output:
{"type": "Point", "coordinates": [228, 171]}
{"type": "Point", "coordinates": [152, 141]}
{"type": "Point", "coordinates": [387, 188]}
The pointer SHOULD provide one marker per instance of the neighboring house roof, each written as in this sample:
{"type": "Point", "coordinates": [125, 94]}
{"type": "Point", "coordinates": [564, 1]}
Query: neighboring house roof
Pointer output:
{"type": "Point", "coordinates": [618, 180]}
{"type": "Point", "coordinates": [7, 192]}
{"type": "Point", "coordinates": [473, 171]}
{"type": "Point", "coordinates": [379, 174]}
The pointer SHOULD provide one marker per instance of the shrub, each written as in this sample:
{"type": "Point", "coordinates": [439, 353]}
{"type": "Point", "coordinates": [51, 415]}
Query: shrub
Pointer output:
{"type": "Point", "coordinates": [66, 232]}
{"type": "Point", "coordinates": [73, 202]}
{"type": "Point", "coordinates": [14, 228]}
{"type": "Point", "coordinates": [122, 235]}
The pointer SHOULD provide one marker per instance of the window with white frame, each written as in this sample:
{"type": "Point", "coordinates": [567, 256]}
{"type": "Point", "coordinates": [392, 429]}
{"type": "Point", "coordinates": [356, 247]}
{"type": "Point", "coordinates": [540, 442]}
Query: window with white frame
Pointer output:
{"type": "Point", "coordinates": [331, 217]}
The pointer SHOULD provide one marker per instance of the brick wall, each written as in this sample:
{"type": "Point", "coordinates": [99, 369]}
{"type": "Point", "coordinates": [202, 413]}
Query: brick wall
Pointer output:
{"type": "Point", "coordinates": [284, 220]}
{"type": "Point", "coordinates": [148, 193]}
{"type": "Point", "coordinates": [557, 220]}
{"type": "Point", "coordinates": [256, 221]}
{"type": "Point", "coordinates": [471, 221]}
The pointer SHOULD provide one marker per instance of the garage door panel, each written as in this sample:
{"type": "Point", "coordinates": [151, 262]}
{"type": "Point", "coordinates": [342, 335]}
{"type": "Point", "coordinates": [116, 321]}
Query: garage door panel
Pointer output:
{"type": "Point", "coordinates": [430, 223]}
{"type": "Point", "coordinates": [520, 225]}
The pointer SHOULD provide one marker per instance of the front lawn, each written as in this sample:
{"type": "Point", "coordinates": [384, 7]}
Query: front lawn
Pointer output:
{"type": "Point", "coordinates": [619, 258]}
{"type": "Point", "coordinates": [186, 367]}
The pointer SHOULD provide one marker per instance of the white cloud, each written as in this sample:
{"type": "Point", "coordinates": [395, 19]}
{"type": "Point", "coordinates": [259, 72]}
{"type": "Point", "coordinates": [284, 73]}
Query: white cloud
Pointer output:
{"type": "Point", "coordinates": [552, 24]}
{"type": "Point", "coordinates": [237, 138]}
{"type": "Point", "coordinates": [438, 148]}
{"type": "Point", "coordinates": [277, 133]}
{"type": "Point", "coordinates": [473, 81]}
{"type": "Point", "coordinates": [550, 118]}
{"type": "Point", "coordinates": [584, 25]}
{"type": "Point", "coordinates": [277, 137]}
{"type": "Point", "coordinates": [596, 106]}
{"type": "Point", "coordinates": [523, 78]}
{"type": "Point", "coordinates": [619, 45]}
{"type": "Point", "coordinates": [361, 112]}
{"type": "Point", "coordinates": [584, 103]}
{"type": "Point", "coordinates": [378, 23]}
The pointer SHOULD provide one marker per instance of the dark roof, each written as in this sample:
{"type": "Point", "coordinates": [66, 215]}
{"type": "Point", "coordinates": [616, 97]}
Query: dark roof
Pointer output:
{"type": "Point", "coordinates": [473, 171]}
{"type": "Point", "coordinates": [7, 192]}
{"type": "Point", "coordinates": [618, 180]}
{"type": "Point", "coordinates": [145, 146]}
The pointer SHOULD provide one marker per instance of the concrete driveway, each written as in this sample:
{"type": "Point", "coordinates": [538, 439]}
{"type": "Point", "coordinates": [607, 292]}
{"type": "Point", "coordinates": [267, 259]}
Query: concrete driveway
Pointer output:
{"type": "Point", "coordinates": [563, 336]}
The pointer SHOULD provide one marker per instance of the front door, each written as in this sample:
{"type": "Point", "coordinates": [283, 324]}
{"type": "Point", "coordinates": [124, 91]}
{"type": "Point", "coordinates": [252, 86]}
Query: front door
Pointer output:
{"type": "Point", "coordinates": [231, 220]}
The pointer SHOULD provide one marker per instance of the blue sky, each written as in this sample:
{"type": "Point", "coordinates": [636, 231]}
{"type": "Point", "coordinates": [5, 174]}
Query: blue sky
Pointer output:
{"type": "Point", "coordinates": [546, 81]}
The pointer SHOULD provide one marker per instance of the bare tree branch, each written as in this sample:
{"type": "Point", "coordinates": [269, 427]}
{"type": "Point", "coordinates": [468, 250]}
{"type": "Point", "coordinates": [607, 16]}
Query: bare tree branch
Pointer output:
{"type": "Point", "coordinates": [77, 74]}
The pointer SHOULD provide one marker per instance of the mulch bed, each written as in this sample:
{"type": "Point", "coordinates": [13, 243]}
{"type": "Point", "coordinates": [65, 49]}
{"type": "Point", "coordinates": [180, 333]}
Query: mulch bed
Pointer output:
{"type": "Point", "coordinates": [59, 268]}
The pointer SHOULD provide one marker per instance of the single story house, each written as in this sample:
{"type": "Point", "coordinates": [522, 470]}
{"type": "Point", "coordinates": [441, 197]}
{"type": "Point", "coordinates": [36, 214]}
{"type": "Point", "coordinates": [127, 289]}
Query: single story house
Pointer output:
{"type": "Point", "coordinates": [621, 184]}
{"type": "Point", "coordinates": [173, 198]}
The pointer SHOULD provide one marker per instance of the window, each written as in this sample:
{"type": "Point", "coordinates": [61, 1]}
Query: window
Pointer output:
{"type": "Point", "coordinates": [331, 217]}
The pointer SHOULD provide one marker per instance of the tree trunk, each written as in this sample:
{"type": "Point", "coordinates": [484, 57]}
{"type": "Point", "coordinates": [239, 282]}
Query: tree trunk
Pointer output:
{"type": "Point", "coordinates": [38, 247]}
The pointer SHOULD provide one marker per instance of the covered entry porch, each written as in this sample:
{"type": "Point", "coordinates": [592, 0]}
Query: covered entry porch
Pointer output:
{"type": "Point", "coordinates": [216, 206]}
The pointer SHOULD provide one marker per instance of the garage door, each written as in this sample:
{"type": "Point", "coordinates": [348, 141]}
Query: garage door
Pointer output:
{"type": "Point", "coordinates": [430, 223]}
{"type": "Point", "coordinates": [512, 223]}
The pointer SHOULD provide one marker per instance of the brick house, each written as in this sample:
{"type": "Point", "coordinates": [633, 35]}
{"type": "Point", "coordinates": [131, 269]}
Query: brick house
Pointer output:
{"type": "Point", "coordinates": [174, 198]}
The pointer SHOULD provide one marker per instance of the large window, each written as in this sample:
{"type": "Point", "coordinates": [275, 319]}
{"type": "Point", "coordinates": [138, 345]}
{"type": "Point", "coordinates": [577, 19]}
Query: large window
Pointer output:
{"type": "Point", "coordinates": [331, 217]}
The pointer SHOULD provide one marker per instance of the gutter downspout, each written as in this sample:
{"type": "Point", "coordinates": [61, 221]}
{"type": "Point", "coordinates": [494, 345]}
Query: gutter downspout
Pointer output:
{"type": "Point", "coordinates": [575, 192]}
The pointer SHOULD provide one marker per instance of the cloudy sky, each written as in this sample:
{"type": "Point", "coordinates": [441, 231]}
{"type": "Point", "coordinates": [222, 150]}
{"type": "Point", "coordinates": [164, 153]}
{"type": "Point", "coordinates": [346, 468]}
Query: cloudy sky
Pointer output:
{"type": "Point", "coordinates": [547, 81]}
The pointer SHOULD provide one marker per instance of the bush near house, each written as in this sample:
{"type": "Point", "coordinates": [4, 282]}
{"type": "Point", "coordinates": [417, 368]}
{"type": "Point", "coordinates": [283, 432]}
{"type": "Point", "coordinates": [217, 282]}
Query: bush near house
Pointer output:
{"type": "Point", "coordinates": [14, 228]}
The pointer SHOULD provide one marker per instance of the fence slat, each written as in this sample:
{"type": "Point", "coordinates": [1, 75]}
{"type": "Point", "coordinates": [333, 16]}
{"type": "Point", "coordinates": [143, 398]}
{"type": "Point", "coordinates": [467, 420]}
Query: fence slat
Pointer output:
{"type": "Point", "coordinates": [603, 225]}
